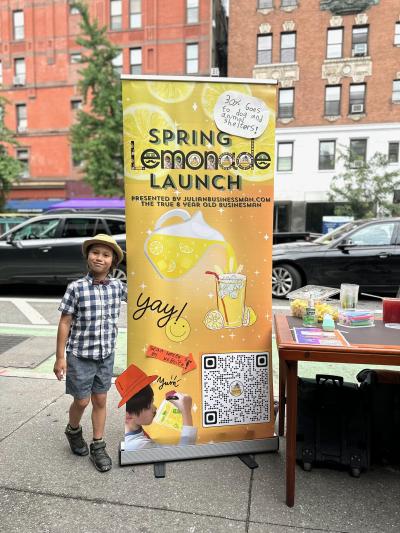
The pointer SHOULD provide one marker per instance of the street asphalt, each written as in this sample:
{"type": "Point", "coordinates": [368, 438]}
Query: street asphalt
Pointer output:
{"type": "Point", "coordinates": [44, 488]}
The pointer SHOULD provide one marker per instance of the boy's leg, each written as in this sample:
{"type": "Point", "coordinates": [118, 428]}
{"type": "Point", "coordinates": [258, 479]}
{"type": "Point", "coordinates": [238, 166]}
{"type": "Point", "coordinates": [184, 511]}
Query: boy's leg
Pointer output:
{"type": "Point", "coordinates": [99, 412]}
{"type": "Point", "coordinates": [73, 431]}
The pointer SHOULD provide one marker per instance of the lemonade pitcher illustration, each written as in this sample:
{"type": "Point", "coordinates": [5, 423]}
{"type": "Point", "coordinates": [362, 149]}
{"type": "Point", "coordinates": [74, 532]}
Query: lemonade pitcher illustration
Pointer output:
{"type": "Point", "coordinates": [175, 249]}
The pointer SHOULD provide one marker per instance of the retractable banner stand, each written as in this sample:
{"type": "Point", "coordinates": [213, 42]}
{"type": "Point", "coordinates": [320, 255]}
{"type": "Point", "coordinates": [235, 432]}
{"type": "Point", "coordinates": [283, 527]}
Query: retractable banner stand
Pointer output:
{"type": "Point", "coordinates": [199, 160]}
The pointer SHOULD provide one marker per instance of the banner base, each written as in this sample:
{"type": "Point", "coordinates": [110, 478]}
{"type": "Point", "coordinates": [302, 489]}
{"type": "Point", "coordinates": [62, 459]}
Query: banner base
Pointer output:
{"type": "Point", "coordinates": [197, 451]}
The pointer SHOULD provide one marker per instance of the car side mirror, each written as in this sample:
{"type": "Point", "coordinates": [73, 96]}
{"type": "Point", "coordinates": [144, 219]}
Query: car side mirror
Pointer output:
{"type": "Point", "coordinates": [10, 239]}
{"type": "Point", "coordinates": [345, 244]}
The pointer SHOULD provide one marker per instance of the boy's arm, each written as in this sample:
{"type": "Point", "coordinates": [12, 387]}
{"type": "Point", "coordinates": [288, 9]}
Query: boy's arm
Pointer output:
{"type": "Point", "coordinates": [184, 404]}
{"type": "Point", "coordinates": [64, 326]}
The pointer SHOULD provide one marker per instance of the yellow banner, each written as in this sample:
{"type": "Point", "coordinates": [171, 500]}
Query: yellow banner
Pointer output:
{"type": "Point", "coordinates": [199, 160]}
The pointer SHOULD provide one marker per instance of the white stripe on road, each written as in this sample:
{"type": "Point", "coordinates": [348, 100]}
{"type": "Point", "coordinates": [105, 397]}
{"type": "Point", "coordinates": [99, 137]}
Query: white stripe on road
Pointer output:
{"type": "Point", "coordinates": [29, 311]}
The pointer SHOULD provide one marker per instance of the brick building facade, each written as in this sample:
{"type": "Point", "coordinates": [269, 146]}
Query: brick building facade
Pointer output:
{"type": "Point", "coordinates": [338, 67]}
{"type": "Point", "coordinates": [39, 70]}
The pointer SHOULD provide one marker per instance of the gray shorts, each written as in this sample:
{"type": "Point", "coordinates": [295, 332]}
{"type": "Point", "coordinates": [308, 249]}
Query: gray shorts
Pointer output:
{"type": "Point", "coordinates": [86, 376]}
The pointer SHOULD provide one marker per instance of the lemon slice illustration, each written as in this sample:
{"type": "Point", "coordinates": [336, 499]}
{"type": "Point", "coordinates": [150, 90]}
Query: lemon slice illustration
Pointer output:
{"type": "Point", "coordinates": [170, 92]}
{"type": "Point", "coordinates": [171, 266]}
{"type": "Point", "coordinates": [156, 247]}
{"type": "Point", "coordinates": [211, 93]}
{"type": "Point", "coordinates": [249, 316]}
{"type": "Point", "coordinates": [214, 320]}
{"type": "Point", "coordinates": [185, 248]}
{"type": "Point", "coordinates": [138, 121]}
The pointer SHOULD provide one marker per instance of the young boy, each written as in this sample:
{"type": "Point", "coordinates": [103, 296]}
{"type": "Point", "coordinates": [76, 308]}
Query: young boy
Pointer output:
{"type": "Point", "coordinates": [87, 331]}
{"type": "Point", "coordinates": [134, 387]}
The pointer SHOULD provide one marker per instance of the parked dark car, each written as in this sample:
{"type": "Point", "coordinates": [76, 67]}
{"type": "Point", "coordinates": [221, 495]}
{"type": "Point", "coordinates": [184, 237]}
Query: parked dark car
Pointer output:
{"type": "Point", "coordinates": [366, 252]}
{"type": "Point", "coordinates": [280, 237]}
{"type": "Point", "coordinates": [48, 248]}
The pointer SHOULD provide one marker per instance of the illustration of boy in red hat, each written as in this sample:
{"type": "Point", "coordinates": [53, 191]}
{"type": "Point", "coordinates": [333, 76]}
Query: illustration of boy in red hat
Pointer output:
{"type": "Point", "coordinates": [138, 396]}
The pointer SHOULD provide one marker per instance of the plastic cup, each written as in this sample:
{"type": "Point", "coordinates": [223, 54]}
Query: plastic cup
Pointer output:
{"type": "Point", "coordinates": [348, 295]}
{"type": "Point", "coordinates": [391, 312]}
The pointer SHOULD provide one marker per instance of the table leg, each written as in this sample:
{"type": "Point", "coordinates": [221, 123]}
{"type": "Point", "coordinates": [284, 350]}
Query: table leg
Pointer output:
{"type": "Point", "coordinates": [282, 397]}
{"type": "Point", "coordinates": [291, 427]}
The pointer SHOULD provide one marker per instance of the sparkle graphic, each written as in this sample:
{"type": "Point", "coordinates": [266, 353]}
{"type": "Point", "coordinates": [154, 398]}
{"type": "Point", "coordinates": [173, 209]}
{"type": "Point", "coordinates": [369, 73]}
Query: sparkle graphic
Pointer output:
{"type": "Point", "coordinates": [267, 315]}
{"type": "Point", "coordinates": [210, 295]}
{"type": "Point", "coordinates": [220, 210]}
{"type": "Point", "coordinates": [177, 192]}
{"type": "Point", "coordinates": [257, 272]}
{"type": "Point", "coordinates": [232, 335]}
{"type": "Point", "coordinates": [194, 106]}
{"type": "Point", "coordinates": [266, 236]}
{"type": "Point", "coordinates": [149, 232]}
{"type": "Point", "coordinates": [194, 407]}
{"type": "Point", "coordinates": [142, 286]}
{"type": "Point", "coordinates": [144, 349]}
{"type": "Point", "coordinates": [132, 273]}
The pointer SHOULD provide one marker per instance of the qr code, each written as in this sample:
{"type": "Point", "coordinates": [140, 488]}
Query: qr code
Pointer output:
{"type": "Point", "coordinates": [235, 388]}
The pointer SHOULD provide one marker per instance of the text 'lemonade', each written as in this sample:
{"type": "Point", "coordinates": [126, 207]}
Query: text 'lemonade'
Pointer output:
{"type": "Point", "coordinates": [174, 250]}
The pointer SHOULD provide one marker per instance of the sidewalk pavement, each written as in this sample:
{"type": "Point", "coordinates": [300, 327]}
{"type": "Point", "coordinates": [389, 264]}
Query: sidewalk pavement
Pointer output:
{"type": "Point", "coordinates": [44, 488]}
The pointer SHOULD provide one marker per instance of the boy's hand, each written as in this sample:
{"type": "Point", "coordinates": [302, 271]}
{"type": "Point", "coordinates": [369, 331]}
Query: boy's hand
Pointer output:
{"type": "Point", "coordinates": [60, 368]}
{"type": "Point", "coordinates": [183, 403]}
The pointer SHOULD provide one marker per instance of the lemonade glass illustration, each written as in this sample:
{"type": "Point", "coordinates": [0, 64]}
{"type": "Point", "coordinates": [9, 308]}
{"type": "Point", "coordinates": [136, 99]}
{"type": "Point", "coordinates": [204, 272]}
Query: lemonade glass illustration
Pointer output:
{"type": "Point", "coordinates": [231, 296]}
{"type": "Point", "coordinates": [175, 249]}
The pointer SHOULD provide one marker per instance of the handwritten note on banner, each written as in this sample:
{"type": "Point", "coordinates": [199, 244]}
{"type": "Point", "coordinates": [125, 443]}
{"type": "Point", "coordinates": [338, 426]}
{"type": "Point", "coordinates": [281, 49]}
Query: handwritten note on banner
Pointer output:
{"type": "Point", "coordinates": [242, 115]}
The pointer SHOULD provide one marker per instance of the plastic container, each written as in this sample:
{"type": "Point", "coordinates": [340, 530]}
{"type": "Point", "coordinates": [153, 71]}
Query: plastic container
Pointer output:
{"type": "Point", "coordinates": [356, 319]}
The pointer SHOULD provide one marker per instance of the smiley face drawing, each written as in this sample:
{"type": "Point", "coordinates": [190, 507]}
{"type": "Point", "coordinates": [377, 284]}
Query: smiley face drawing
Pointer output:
{"type": "Point", "coordinates": [177, 330]}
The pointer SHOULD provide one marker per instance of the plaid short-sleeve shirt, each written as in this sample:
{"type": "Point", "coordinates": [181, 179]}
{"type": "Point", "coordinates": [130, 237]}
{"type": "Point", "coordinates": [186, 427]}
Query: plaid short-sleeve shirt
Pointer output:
{"type": "Point", "coordinates": [95, 310]}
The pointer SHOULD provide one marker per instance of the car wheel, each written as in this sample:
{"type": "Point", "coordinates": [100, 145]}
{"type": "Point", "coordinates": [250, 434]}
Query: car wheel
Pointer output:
{"type": "Point", "coordinates": [285, 278]}
{"type": "Point", "coordinates": [119, 273]}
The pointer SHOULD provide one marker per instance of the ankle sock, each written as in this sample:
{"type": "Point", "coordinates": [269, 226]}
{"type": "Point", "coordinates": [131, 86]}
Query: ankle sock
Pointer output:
{"type": "Point", "coordinates": [97, 440]}
{"type": "Point", "coordinates": [73, 430]}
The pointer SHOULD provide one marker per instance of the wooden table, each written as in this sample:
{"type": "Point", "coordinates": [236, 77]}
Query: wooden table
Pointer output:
{"type": "Point", "coordinates": [290, 352]}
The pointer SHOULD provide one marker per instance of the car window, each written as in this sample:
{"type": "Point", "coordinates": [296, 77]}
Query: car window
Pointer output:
{"type": "Point", "coordinates": [374, 235]}
{"type": "Point", "coordinates": [116, 226]}
{"type": "Point", "coordinates": [40, 229]}
{"type": "Point", "coordinates": [79, 227]}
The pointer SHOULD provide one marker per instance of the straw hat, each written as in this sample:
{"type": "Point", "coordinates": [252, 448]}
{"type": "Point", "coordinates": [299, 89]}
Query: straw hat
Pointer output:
{"type": "Point", "coordinates": [101, 238]}
{"type": "Point", "coordinates": [131, 381]}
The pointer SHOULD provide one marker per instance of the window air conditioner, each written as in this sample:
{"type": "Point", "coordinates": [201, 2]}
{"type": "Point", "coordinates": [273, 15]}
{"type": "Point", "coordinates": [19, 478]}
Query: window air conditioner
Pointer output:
{"type": "Point", "coordinates": [360, 49]}
{"type": "Point", "coordinates": [357, 108]}
{"type": "Point", "coordinates": [21, 128]}
{"type": "Point", "coordinates": [358, 163]}
{"type": "Point", "coordinates": [19, 80]}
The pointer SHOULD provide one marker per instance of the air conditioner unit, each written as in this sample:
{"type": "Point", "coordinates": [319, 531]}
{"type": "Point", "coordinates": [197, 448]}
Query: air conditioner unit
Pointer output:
{"type": "Point", "coordinates": [19, 80]}
{"type": "Point", "coordinates": [21, 129]}
{"type": "Point", "coordinates": [358, 163]}
{"type": "Point", "coordinates": [214, 71]}
{"type": "Point", "coordinates": [357, 108]}
{"type": "Point", "coordinates": [360, 49]}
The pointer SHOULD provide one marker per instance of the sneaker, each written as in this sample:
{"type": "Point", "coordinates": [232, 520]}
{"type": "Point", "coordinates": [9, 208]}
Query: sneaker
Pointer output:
{"type": "Point", "coordinates": [99, 456]}
{"type": "Point", "coordinates": [76, 441]}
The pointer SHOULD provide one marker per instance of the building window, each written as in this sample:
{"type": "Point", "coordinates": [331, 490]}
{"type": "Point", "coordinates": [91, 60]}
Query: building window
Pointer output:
{"type": "Point", "coordinates": [396, 91]}
{"type": "Point", "coordinates": [19, 71]}
{"type": "Point", "coordinates": [115, 14]}
{"type": "Point", "coordinates": [285, 156]}
{"type": "Point", "coordinates": [23, 157]}
{"type": "Point", "coordinates": [264, 49]}
{"type": "Point", "coordinates": [265, 4]}
{"type": "Point", "coordinates": [286, 103]}
{"type": "Point", "coordinates": [334, 46]}
{"type": "Point", "coordinates": [73, 10]}
{"type": "Point", "coordinates": [393, 152]}
{"type": "Point", "coordinates": [358, 153]}
{"type": "Point", "coordinates": [397, 34]}
{"type": "Point", "coordinates": [18, 25]}
{"type": "Point", "coordinates": [135, 16]}
{"type": "Point", "coordinates": [288, 47]}
{"type": "Point", "coordinates": [117, 63]}
{"type": "Point", "coordinates": [288, 3]}
{"type": "Point", "coordinates": [75, 57]}
{"type": "Point", "coordinates": [192, 11]}
{"type": "Point", "coordinates": [76, 104]}
{"type": "Point", "coordinates": [332, 100]}
{"type": "Point", "coordinates": [359, 45]}
{"type": "Point", "coordinates": [192, 58]}
{"type": "Point", "coordinates": [135, 63]}
{"type": "Point", "coordinates": [1, 72]}
{"type": "Point", "coordinates": [357, 98]}
{"type": "Point", "coordinates": [327, 152]}
{"type": "Point", "coordinates": [22, 120]}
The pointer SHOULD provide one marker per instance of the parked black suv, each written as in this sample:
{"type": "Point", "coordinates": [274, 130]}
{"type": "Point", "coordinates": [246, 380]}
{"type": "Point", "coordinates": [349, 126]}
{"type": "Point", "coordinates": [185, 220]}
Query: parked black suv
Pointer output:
{"type": "Point", "coordinates": [48, 248]}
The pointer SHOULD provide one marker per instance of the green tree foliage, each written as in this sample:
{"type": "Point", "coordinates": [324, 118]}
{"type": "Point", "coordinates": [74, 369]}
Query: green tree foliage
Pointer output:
{"type": "Point", "coordinates": [367, 190]}
{"type": "Point", "coordinates": [10, 168]}
{"type": "Point", "coordinates": [97, 135]}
